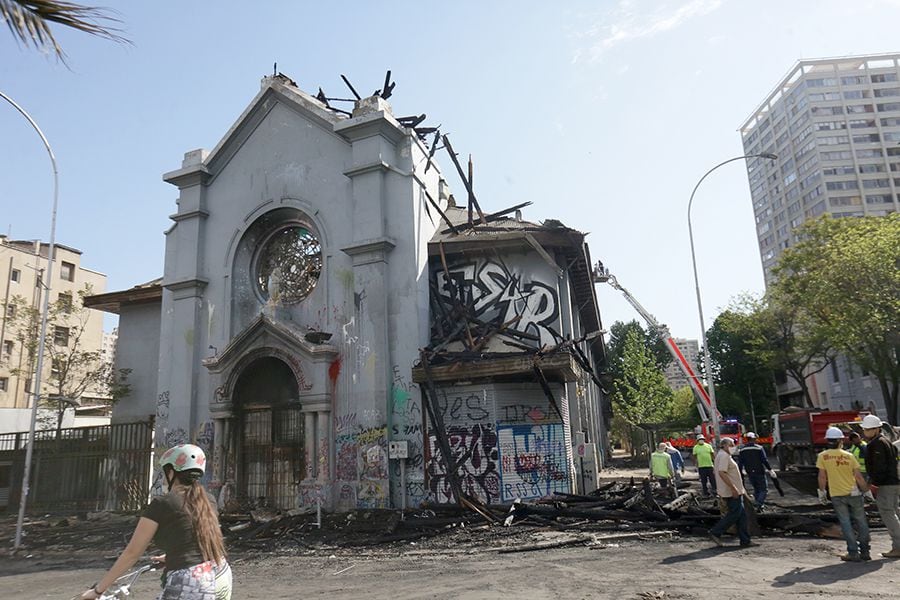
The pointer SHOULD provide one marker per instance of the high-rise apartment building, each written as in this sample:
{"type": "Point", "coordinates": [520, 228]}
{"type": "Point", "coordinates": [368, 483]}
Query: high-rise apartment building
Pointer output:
{"type": "Point", "coordinates": [835, 125]}
{"type": "Point", "coordinates": [22, 264]}
{"type": "Point", "coordinates": [675, 377]}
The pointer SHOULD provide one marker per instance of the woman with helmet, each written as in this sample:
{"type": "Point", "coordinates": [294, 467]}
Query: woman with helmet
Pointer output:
{"type": "Point", "coordinates": [184, 524]}
{"type": "Point", "coordinates": [839, 472]}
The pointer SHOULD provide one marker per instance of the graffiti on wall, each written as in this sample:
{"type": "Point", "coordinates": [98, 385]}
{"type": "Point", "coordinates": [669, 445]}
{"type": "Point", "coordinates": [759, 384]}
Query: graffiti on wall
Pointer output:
{"type": "Point", "coordinates": [500, 296]}
{"type": "Point", "coordinates": [532, 461]}
{"type": "Point", "coordinates": [476, 445]}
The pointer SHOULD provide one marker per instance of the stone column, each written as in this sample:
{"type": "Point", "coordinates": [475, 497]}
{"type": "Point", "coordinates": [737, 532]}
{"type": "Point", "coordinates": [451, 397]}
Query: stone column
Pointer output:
{"type": "Point", "coordinates": [309, 440]}
{"type": "Point", "coordinates": [323, 444]}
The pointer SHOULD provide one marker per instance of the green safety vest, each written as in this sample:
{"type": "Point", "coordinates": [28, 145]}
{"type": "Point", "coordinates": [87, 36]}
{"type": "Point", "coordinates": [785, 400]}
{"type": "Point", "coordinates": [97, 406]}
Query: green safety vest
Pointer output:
{"type": "Point", "coordinates": [704, 454]}
{"type": "Point", "coordinates": [860, 454]}
{"type": "Point", "coordinates": [659, 464]}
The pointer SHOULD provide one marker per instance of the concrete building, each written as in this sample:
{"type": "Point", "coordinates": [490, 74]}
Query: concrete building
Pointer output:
{"type": "Point", "coordinates": [108, 346]}
{"type": "Point", "coordinates": [675, 377]}
{"type": "Point", "coordinates": [22, 264]}
{"type": "Point", "coordinates": [835, 125]}
{"type": "Point", "coordinates": [300, 277]}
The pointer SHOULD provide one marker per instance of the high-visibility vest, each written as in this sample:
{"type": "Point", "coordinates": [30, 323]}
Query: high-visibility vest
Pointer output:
{"type": "Point", "coordinates": [659, 464]}
{"type": "Point", "coordinates": [860, 453]}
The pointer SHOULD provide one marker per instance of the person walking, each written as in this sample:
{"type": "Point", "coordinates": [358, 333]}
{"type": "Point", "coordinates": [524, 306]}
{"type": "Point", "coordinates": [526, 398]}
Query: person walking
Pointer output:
{"type": "Point", "coordinates": [752, 460]}
{"type": "Point", "coordinates": [677, 462]}
{"type": "Point", "coordinates": [184, 524]}
{"type": "Point", "coordinates": [730, 488]}
{"type": "Point", "coordinates": [703, 457]}
{"type": "Point", "coordinates": [661, 468]}
{"type": "Point", "coordinates": [839, 472]}
{"type": "Point", "coordinates": [881, 467]}
{"type": "Point", "coordinates": [857, 448]}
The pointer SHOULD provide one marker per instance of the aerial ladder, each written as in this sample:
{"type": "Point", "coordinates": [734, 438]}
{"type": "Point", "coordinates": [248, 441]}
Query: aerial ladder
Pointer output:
{"type": "Point", "coordinates": [704, 405]}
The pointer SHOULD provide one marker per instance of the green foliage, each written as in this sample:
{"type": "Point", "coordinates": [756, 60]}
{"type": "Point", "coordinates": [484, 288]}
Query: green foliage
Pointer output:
{"type": "Point", "coordinates": [652, 339]}
{"type": "Point", "coordinates": [639, 388]}
{"type": "Point", "coordinates": [71, 371]}
{"type": "Point", "coordinates": [741, 366]}
{"type": "Point", "coordinates": [844, 279]}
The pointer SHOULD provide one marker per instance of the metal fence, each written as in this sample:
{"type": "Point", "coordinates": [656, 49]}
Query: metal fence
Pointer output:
{"type": "Point", "coordinates": [106, 467]}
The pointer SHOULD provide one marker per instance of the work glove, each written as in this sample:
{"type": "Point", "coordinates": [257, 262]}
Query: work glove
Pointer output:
{"type": "Point", "coordinates": [823, 497]}
{"type": "Point", "coordinates": [868, 497]}
{"type": "Point", "coordinates": [773, 474]}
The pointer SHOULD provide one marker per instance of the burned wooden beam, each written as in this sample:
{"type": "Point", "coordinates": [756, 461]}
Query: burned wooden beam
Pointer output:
{"type": "Point", "coordinates": [489, 218]}
{"type": "Point", "coordinates": [431, 151]}
{"type": "Point", "coordinates": [412, 121]}
{"type": "Point", "coordinates": [462, 176]}
{"type": "Point", "coordinates": [388, 88]}
{"type": "Point", "coordinates": [547, 391]}
{"type": "Point", "coordinates": [437, 207]}
{"type": "Point", "coordinates": [429, 399]}
{"type": "Point", "coordinates": [350, 85]}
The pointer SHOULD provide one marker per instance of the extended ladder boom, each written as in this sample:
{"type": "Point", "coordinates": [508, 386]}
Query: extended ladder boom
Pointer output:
{"type": "Point", "coordinates": [602, 275]}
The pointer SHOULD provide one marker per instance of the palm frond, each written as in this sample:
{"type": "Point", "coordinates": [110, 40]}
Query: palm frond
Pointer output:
{"type": "Point", "coordinates": [29, 22]}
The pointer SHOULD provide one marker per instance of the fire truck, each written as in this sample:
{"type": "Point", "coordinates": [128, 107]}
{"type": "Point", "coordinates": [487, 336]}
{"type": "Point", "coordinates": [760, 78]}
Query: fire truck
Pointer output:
{"type": "Point", "coordinates": [727, 428]}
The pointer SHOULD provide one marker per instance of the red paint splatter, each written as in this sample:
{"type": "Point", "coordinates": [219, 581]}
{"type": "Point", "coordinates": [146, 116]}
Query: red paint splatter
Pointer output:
{"type": "Point", "coordinates": [334, 370]}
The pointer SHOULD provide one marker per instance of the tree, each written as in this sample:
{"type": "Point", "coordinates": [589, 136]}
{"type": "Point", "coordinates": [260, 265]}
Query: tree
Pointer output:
{"type": "Point", "coordinates": [653, 340]}
{"type": "Point", "coordinates": [640, 390]}
{"type": "Point", "coordinates": [844, 275]}
{"type": "Point", "coordinates": [74, 369]}
{"type": "Point", "coordinates": [29, 21]}
{"type": "Point", "coordinates": [741, 376]}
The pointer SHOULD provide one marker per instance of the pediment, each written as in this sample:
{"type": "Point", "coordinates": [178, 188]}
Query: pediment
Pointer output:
{"type": "Point", "coordinates": [275, 91]}
{"type": "Point", "coordinates": [264, 333]}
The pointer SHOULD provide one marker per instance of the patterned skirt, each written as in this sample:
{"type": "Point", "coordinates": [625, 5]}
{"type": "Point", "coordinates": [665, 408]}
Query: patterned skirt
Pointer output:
{"type": "Point", "coordinates": [206, 581]}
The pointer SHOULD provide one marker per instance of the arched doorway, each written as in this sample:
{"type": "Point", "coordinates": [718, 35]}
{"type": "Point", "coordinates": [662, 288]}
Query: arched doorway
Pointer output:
{"type": "Point", "coordinates": [270, 434]}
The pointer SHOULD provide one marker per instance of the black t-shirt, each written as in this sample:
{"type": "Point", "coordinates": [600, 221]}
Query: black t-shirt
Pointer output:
{"type": "Point", "coordinates": [175, 535]}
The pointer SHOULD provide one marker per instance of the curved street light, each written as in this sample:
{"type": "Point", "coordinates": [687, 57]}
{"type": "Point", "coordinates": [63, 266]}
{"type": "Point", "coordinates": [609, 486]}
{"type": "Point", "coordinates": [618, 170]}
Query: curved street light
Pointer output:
{"type": "Point", "coordinates": [714, 411]}
{"type": "Point", "coordinates": [23, 495]}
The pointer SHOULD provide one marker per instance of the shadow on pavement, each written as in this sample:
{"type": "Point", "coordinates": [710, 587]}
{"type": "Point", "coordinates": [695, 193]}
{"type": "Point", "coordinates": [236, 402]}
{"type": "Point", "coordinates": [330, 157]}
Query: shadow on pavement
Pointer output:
{"type": "Point", "coordinates": [828, 574]}
{"type": "Point", "coordinates": [700, 554]}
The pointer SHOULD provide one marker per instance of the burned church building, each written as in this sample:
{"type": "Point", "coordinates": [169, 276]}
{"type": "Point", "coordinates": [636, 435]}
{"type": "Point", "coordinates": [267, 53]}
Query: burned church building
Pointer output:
{"type": "Point", "coordinates": [329, 322]}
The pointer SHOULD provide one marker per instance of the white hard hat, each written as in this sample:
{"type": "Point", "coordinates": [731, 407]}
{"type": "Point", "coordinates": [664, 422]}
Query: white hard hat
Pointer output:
{"type": "Point", "coordinates": [751, 435]}
{"type": "Point", "coordinates": [834, 433]}
{"type": "Point", "coordinates": [871, 422]}
{"type": "Point", "coordinates": [701, 438]}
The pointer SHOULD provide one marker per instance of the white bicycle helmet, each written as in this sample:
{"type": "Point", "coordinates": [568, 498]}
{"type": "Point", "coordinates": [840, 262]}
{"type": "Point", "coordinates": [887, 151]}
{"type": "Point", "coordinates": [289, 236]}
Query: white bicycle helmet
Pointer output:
{"type": "Point", "coordinates": [184, 457]}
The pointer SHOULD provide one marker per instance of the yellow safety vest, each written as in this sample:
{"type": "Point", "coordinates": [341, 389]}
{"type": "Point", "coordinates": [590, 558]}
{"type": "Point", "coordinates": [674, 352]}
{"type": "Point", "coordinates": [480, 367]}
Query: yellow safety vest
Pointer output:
{"type": "Point", "coordinates": [859, 453]}
{"type": "Point", "coordinates": [659, 464]}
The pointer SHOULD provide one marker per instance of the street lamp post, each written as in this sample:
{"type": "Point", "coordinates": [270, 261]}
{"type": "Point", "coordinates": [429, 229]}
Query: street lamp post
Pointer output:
{"type": "Point", "coordinates": [36, 390]}
{"type": "Point", "coordinates": [714, 411]}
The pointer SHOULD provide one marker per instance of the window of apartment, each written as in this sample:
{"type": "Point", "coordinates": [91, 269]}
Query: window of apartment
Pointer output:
{"type": "Point", "coordinates": [876, 183]}
{"type": "Point", "coordinates": [860, 108]}
{"type": "Point", "coordinates": [856, 94]}
{"type": "Point", "coordinates": [861, 123]}
{"type": "Point", "coordinates": [779, 125]}
{"type": "Point", "coordinates": [793, 208]}
{"type": "Point", "coordinates": [835, 375]}
{"type": "Point", "coordinates": [796, 222]}
{"type": "Point", "coordinates": [833, 140]}
{"type": "Point", "coordinates": [878, 168]}
{"type": "Point", "coordinates": [866, 138]}
{"type": "Point", "coordinates": [887, 92]}
{"type": "Point", "coordinates": [821, 111]}
{"type": "Point", "coordinates": [28, 385]}
{"type": "Point", "coordinates": [893, 151]}
{"type": "Point", "coordinates": [792, 193]}
{"type": "Point", "coordinates": [816, 192]}
{"type": "Point", "coordinates": [854, 80]}
{"type": "Point", "coordinates": [4, 384]}
{"type": "Point", "coordinates": [55, 367]}
{"type": "Point", "coordinates": [879, 199]}
{"type": "Point", "coordinates": [845, 170]}
{"type": "Point", "coordinates": [839, 155]}
{"type": "Point", "coordinates": [67, 271]}
{"type": "Point", "coordinates": [895, 166]}
{"type": "Point", "coordinates": [782, 231]}
{"type": "Point", "coordinates": [846, 201]}
{"type": "Point", "coordinates": [809, 181]}
{"type": "Point", "coordinates": [869, 153]}
{"type": "Point", "coordinates": [782, 139]}
{"type": "Point", "coordinates": [11, 311]}
{"type": "Point", "coordinates": [809, 162]}
{"type": "Point", "coordinates": [892, 136]}
{"type": "Point", "coordinates": [64, 300]}
{"type": "Point", "coordinates": [806, 149]}
{"type": "Point", "coordinates": [890, 122]}
{"type": "Point", "coordinates": [830, 125]}
{"type": "Point", "coordinates": [8, 346]}
{"type": "Point", "coordinates": [888, 106]}
{"type": "Point", "coordinates": [15, 275]}
{"type": "Point", "coordinates": [816, 210]}
{"type": "Point", "coordinates": [791, 178]}
{"type": "Point", "coordinates": [765, 227]}
{"type": "Point", "coordinates": [884, 77]}
{"type": "Point", "coordinates": [822, 82]}
{"type": "Point", "coordinates": [841, 185]}
{"type": "Point", "coordinates": [61, 336]}
{"type": "Point", "coordinates": [779, 218]}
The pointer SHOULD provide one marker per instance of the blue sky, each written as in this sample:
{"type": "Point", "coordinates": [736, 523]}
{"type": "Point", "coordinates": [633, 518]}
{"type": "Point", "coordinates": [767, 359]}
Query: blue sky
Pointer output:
{"type": "Point", "coordinates": [604, 114]}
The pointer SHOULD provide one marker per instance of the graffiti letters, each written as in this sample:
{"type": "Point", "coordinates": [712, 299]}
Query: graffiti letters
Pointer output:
{"type": "Point", "coordinates": [533, 461]}
{"type": "Point", "coordinates": [502, 297]}
{"type": "Point", "coordinates": [475, 448]}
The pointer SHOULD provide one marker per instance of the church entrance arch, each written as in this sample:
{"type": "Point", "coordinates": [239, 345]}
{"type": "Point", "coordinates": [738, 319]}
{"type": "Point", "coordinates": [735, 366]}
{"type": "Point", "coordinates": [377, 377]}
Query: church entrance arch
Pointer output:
{"type": "Point", "coordinates": [271, 456]}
